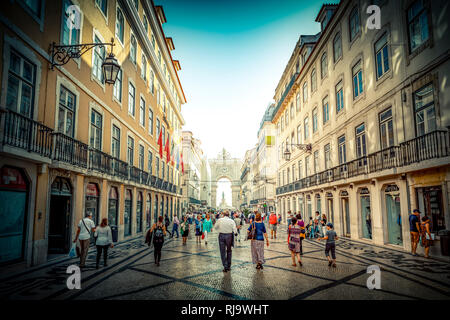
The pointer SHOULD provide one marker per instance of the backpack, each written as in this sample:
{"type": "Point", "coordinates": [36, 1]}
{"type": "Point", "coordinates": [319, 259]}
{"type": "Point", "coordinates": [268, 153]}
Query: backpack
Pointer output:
{"type": "Point", "coordinates": [272, 219]}
{"type": "Point", "coordinates": [158, 237]}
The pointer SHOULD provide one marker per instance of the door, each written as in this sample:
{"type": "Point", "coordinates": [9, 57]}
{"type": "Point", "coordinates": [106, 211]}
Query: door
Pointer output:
{"type": "Point", "coordinates": [366, 217]}
{"type": "Point", "coordinates": [394, 221]}
{"type": "Point", "coordinates": [13, 200]}
{"type": "Point", "coordinates": [330, 211]}
{"type": "Point", "coordinates": [127, 213]}
{"type": "Point", "coordinates": [345, 215]}
{"type": "Point", "coordinates": [139, 213]}
{"type": "Point", "coordinates": [60, 216]}
{"type": "Point", "coordinates": [432, 197]}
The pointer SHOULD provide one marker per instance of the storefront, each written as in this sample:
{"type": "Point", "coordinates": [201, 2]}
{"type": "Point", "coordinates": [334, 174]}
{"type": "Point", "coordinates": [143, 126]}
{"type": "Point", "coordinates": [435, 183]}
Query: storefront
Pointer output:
{"type": "Point", "coordinates": [92, 202]}
{"type": "Point", "coordinates": [431, 204]}
{"type": "Point", "coordinates": [301, 205]}
{"type": "Point", "coordinates": [113, 207]}
{"type": "Point", "coordinates": [127, 212]}
{"type": "Point", "coordinates": [318, 203]}
{"type": "Point", "coordinates": [308, 207]}
{"type": "Point", "coordinates": [155, 212]}
{"type": "Point", "coordinates": [139, 211]}
{"type": "Point", "coordinates": [330, 210]}
{"type": "Point", "coordinates": [393, 214]}
{"type": "Point", "coordinates": [365, 213]}
{"type": "Point", "coordinates": [60, 216]}
{"type": "Point", "coordinates": [148, 217]}
{"type": "Point", "coordinates": [13, 197]}
{"type": "Point", "coordinates": [345, 213]}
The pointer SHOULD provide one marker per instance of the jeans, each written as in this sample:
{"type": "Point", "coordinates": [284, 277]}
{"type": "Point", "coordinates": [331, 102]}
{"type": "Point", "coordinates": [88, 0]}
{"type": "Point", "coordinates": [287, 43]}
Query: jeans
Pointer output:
{"type": "Point", "coordinates": [330, 247]}
{"type": "Point", "coordinates": [105, 253]}
{"type": "Point", "coordinates": [225, 240]}
{"type": "Point", "coordinates": [157, 251]}
{"type": "Point", "coordinates": [175, 229]}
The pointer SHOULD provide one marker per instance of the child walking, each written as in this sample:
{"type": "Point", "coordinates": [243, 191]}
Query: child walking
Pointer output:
{"type": "Point", "coordinates": [330, 245]}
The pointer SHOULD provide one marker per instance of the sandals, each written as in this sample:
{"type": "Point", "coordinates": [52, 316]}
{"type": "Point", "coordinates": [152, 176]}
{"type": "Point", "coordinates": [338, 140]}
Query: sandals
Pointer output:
{"type": "Point", "coordinates": [294, 264]}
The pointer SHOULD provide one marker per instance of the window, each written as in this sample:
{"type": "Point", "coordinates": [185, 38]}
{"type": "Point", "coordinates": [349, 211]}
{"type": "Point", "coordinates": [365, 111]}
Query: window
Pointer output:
{"type": "Point", "coordinates": [354, 23]}
{"type": "Point", "coordinates": [142, 112]}
{"type": "Point", "coordinates": [34, 6]}
{"type": "Point", "coordinates": [299, 134]}
{"type": "Point", "coordinates": [424, 109]}
{"type": "Point", "coordinates": [102, 5]}
{"type": "Point", "coordinates": [153, 41]}
{"type": "Point", "coordinates": [136, 4]}
{"type": "Point", "coordinates": [282, 123]}
{"type": "Point", "coordinates": [145, 22]}
{"type": "Point", "coordinates": [315, 120]}
{"type": "Point", "coordinates": [325, 110]}
{"type": "Point", "coordinates": [158, 127]}
{"type": "Point", "coordinates": [163, 135]}
{"type": "Point", "coordinates": [66, 113]}
{"type": "Point", "coordinates": [157, 166]}
{"type": "Point", "coordinates": [115, 144]}
{"type": "Point", "coordinates": [150, 162]}
{"type": "Point", "coordinates": [96, 130]}
{"type": "Point", "coordinates": [382, 56]}
{"type": "Point", "coordinates": [144, 68]}
{"type": "Point", "coordinates": [141, 157]}
{"type": "Point", "coordinates": [316, 161]}
{"type": "Point", "coordinates": [286, 117]}
{"type": "Point", "coordinates": [357, 80]}
{"type": "Point", "coordinates": [339, 97]}
{"type": "Point", "coordinates": [360, 137]}
{"type": "Point", "coordinates": [292, 110]}
{"type": "Point", "coordinates": [131, 99]}
{"type": "Point", "coordinates": [323, 65]}
{"type": "Point", "coordinates": [417, 25]}
{"type": "Point", "coordinates": [120, 25]}
{"type": "Point", "coordinates": [300, 171]}
{"type": "Point", "coordinates": [341, 150]}
{"type": "Point", "coordinates": [313, 81]}
{"type": "Point", "coordinates": [306, 127]}
{"type": "Point", "coordinates": [150, 121]}
{"type": "Point", "coordinates": [70, 36]}
{"type": "Point", "coordinates": [152, 82]}
{"type": "Point", "coordinates": [307, 167]}
{"type": "Point", "coordinates": [130, 151]}
{"type": "Point", "coordinates": [298, 102]}
{"type": "Point", "coordinates": [163, 169]}
{"type": "Point", "coordinates": [117, 89]}
{"type": "Point", "coordinates": [386, 129]}
{"type": "Point", "coordinates": [327, 152]}
{"type": "Point", "coordinates": [99, 56]}
{"type": "Point", "coordinates": [305, 92]}
{"type": "Point", "coordinates": [159, 56]}
{"type": "Point", "coordinates": [337, 47]}
{"type": "Point", "coordinates": [133, 48]}
{"type": "Point", "coordinates": [21, 85]}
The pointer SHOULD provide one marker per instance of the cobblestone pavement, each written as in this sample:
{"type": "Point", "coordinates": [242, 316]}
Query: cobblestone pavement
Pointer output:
{"type": "Point", "coordinates": [195, 272]}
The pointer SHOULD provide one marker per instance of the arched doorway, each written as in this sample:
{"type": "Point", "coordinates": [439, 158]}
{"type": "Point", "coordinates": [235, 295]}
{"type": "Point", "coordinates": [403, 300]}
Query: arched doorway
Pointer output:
{"type": "Point", "coordinates": [139, 205]}
{"type": "Point", "coordinates": [60, 216]}
{"type": "Point", "coordinates": [345, 213]}
{"type": "Point", "coordinates": [92, 201]}
{"type": "Point", "coordinates": [224, 196]}
{"type": "Point", "coordinates": [113, 207]}
{"type": "Point", "coordinates": [127, 212]}
{"type": "Point", "coordinates": [13, 197]}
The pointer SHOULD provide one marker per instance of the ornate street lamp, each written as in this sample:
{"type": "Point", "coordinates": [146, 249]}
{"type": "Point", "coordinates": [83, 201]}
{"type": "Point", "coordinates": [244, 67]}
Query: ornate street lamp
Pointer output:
{"type": "Point", "coordinates": [305, 147]}
{"type": "Point", "coordinates": [287, 154]}
{"type": "Point", "coordinates": [61, 54]}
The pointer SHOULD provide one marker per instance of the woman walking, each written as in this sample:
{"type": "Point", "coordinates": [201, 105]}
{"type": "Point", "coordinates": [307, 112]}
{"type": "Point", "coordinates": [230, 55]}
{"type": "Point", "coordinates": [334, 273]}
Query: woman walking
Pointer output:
{"type": "Point", "coordinates": [294, 231]}
{"type": "Point", "coordinates": [324, 224]}
{"type": "Point", "coordinates": [301, 224]}
{"type": "Point", "coordinates": [159, 232]}
{"type": "Point", "coordinates": [426, 235]}
{"type": "Point", "coordinates": [185, 229]}
{"type": "Point", "coordinates": [103, 242]}
{"type": "Point", "coordinates": [198, 228]}
{"type": "Point", "coordinates": [258, 242]}
{"type": "Point", "coordinates": [207, 227]}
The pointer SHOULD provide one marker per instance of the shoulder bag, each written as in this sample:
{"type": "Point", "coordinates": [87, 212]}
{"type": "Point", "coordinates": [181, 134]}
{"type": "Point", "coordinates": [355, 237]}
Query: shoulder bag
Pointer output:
{"type": "Point", "coordinates": [251, 235]}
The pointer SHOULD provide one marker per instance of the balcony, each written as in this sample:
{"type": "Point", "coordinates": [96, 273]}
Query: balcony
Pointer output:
{"type": "Point", "coordinates": [24, 133]}
{"type": "Point", "coordinates": [70, 151]}
{"type": "Point", "coordinates": [100, 161]}
{"type": "Point", "coordinates": [285, 93]}
{"type": "Point", "coordinates": [429, 146]}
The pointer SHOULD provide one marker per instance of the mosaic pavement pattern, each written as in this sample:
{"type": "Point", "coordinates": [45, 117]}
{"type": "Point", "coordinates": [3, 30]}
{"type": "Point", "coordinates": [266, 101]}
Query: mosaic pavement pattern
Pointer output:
{"type": "Point", "coordinates": [194, 272]}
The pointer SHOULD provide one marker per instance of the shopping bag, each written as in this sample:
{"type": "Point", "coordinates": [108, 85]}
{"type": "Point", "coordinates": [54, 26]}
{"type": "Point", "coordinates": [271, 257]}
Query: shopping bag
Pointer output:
{"type": "Point", "coordinates": [203, 235]}
{"type": "Point", "coordinates": [73, 251]}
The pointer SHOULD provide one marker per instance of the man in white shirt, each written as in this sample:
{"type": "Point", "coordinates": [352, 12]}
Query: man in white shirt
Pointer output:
{"type": "Point", "coordinates": [85, 228]}
{"type": "Point", "coordinates": [226, 228]}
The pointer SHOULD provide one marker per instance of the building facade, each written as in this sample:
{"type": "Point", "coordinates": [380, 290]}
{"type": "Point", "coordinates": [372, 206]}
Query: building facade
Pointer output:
{"type": "Point", "coordinates": [371, 109]}
{"type": "Point", "coordinates": [193, 159]}
{"type": "Point", "coordinates": [72, 144]}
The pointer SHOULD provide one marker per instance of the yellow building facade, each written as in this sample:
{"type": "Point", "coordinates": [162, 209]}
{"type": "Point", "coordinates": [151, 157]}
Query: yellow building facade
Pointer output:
{"type": "Point", "coordinates": [72, 144]}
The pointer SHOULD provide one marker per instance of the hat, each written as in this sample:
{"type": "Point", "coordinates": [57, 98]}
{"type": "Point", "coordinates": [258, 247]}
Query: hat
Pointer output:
{"type": "Point", "coordinates": [329, 224]}
{"type": "Point", "coordinates": [416, 210]}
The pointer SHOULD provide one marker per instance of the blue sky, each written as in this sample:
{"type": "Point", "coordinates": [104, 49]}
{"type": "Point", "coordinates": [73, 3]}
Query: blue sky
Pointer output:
{"type": "Point", "coordinates": [232, 55]}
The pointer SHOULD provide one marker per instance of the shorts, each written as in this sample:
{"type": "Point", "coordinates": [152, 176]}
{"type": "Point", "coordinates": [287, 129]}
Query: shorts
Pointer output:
{"type": "Point", "coordinates": [330, 247]}
{"type": "Point", "coordinates": [198, 232]}
{"type": "Point", "coordinates": [414, 237]}
{"type": "Point", "coordinates": [273, 227]}
{"type": "Point", "coordinates": [185, 234]}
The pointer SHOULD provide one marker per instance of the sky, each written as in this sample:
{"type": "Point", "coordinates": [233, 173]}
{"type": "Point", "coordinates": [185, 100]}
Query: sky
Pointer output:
{"type": "Point", "coordinates": [232, 55]}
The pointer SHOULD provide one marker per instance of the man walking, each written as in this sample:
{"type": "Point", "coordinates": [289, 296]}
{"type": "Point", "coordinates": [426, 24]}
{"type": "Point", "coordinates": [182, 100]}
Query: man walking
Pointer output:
{"type": "Point", "coordinates": [414, 227]}
{"type": "Point", "coordinates": [226, 229]}
{"type": "Point", "coordinates": [85, 228]}
{"type": "Point", "coordinates": [176, 222]}
{"type": "Point", "coordinates": [273, 225]}
{"type": "Point", "coordinates": [167, 223]}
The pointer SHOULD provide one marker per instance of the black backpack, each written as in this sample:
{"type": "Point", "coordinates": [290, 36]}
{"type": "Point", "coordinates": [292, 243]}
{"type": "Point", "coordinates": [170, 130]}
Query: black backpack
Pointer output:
{"type": "Point", "coordinates": [158, 236]}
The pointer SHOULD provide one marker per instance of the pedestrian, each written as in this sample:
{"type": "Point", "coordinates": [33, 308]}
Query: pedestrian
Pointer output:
{"type": "Point", "coordinates": [198, 228]}
{"type": "Point", "coordinates": [185, 229]}
{"type": "Point", "coordinates": [167, 223]}
{"type": "Point", "coordinates": [323, 224]}
{"type": "Point", "coordinates": [289, 219]}
{"type": "Point", "coordinates": [311, 228]}
{"type": "Point", "coordinates": [293, 241]}
{"type": "Point", "coordinates": [226, 229]}
{"type": "Point", "coordinates": [86, 227]}
{"type": "Point", "coordinates": [301, 224]}
{"type": "Point", "coordinates": [369, 222]}
{"type": "Point", "coordinates": [176, 222]}
{"type": "Point", "coordinates": [257, 244]}
{"type": "Point", "coordinates": [159, 232]}
{"type": "Point", "coordinates": [426, 235]}
{"type": "Point", "coordinates": [273, 225]}
{"type": "Point", "coordinates": [207, 226]}
{"type": "Point", "coordinates": [279, 218]}
{"type": "Point", "coordinates": [414, 229]}
{"type": "Point", "coordinates": [103, 235]}
{"type": "Point", "coordinates": [317, 225]}
{"type": "Point", "coordinates": [330, 245]}
{"type": "Point", "coordinates": [237, 221]}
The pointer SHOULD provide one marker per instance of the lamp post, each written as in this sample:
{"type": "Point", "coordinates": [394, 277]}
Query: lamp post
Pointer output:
{"type": "Point", "coordinates": [61, 54]}
{"type": "Point", "coordinates": [305, 147]}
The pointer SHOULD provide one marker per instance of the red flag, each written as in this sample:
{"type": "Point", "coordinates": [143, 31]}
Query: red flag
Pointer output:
{"type": "Point", "coordinates": [160, 142]}
{"type": "Point", "coordinates": [167, 149]}
{"type": "Point", "coordinates": [182, 163]}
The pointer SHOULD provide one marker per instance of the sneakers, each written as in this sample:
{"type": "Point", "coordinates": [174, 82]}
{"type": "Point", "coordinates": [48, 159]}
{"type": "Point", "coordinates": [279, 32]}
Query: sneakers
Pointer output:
{"type": "Point", "coordinates": [330, 263]}
{"type": "Point", "coordinates": [334, 265]}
